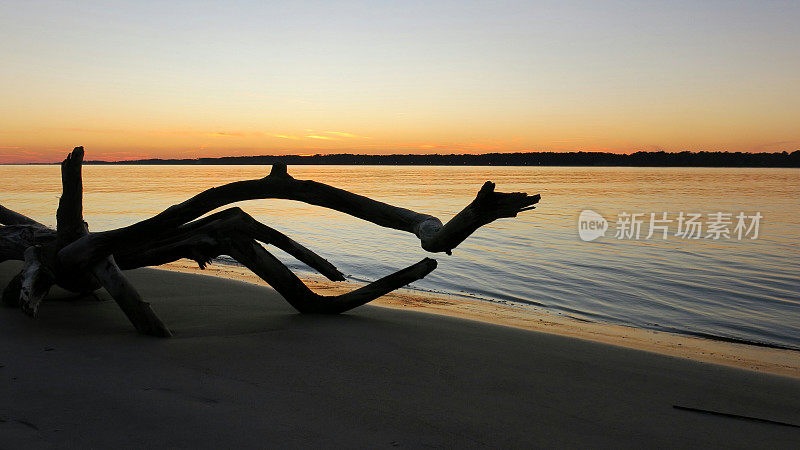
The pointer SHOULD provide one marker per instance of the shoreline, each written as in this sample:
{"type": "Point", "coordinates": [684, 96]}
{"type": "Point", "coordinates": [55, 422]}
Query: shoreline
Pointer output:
{"type": "Point", "coordinates": [775, 361]}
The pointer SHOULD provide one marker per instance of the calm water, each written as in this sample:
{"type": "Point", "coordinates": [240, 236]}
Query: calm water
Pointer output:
{"type": "Point", "coordinates": [742, 289]}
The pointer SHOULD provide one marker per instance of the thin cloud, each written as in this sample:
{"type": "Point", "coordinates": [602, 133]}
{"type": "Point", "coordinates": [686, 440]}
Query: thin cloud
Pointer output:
{"type": "Point", "coordinates": [343, 134]}
{"type": "Point", "coordinates": [120, 156]}
{"type": "Point", "coordinates": [223, 134]}
{"type": "Point", "coordinates": [21, 155]}
{"type": "Point", "coordinates": [325, 138]}
{"type": "Point", "coordinates": [94, 130]}
{"type": "Point", "coordinates": [207, 133]}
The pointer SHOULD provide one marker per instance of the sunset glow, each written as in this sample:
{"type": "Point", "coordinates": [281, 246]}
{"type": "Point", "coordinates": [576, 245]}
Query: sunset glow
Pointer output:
{"type": "Point", "coordinates": [132, 80]}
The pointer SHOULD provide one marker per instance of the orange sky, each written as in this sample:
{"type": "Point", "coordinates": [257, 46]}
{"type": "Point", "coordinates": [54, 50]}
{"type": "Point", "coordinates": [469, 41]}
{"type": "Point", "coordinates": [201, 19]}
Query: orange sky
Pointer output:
{"type": "Point", "coordinates": [132, 80]}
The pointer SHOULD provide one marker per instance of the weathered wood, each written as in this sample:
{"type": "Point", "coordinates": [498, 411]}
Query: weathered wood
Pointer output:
{"type": "Point", "coordinates": [487, 207]}
{"type": "Point", "coordinates": [15, 239]}
{"type": "Point", "coordinates": [69, 216]}
{"type": "Point", "coordinates": [271, 270]}
{"type": "Point", "coordinates": [71, 227]}
{"type": "Point", "coordinates": [9, 217]}
{"type": "Point", "coordinates": [198, 241]}
{"type": "Point", "coordinates": [122, 291]}
{"type": "Point", "coordinates": [35, 283]}
{"type": "Point", "coordinates": [80, 261]}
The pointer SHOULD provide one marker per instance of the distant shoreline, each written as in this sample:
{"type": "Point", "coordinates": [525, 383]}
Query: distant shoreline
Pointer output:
{"type": "Point", "coordinates": [571, 159]}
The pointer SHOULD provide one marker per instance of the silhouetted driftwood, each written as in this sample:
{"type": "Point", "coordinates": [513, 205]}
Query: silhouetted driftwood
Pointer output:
{"type": "Point", "coordinates": [80, 261]}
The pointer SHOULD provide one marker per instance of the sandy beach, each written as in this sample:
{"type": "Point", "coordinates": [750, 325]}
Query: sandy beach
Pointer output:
{"type": "Point", "coordinates": [761, 359]}
{"type": "Point", "coordinates": [244, 370]}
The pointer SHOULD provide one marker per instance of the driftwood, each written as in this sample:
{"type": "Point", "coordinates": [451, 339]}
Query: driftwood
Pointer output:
{"type": "Point", "coordinates": [82, 262]}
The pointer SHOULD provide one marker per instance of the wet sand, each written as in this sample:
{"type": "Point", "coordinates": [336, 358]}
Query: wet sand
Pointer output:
{"type": "Point", "coordinates": [244, 370]}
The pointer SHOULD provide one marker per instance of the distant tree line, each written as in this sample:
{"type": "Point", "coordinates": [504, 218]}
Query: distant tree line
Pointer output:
{"type": "Point", "coordinates": [640, 159]}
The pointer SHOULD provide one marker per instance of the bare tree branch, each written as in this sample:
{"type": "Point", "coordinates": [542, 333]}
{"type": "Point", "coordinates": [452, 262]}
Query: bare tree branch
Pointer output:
{"type": "Point", "coordinates": [271, 270]}
{"type": "Point", "coordinates": [487, 207]}
{"type": "Point", "coordinates": [138, 311]}
{"type": "Point", "coordinates": [198, 240]}
{"type": "Point", "coordinates": [9, 217]}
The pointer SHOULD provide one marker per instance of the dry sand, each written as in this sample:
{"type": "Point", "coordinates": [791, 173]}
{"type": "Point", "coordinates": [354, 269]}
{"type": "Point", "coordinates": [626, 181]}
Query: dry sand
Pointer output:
{"type": "Point", "coordinates": [244, 370]}
{"type": "Point", "coordinates": [761, 359]}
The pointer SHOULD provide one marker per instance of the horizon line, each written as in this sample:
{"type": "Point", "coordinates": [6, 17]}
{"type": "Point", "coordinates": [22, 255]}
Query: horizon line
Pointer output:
{"type": "Point", "coordinates": [640, 158]}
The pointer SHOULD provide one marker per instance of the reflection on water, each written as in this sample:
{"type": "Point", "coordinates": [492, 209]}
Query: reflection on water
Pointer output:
{"type": "Point", "coordinates": [741, 289]}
